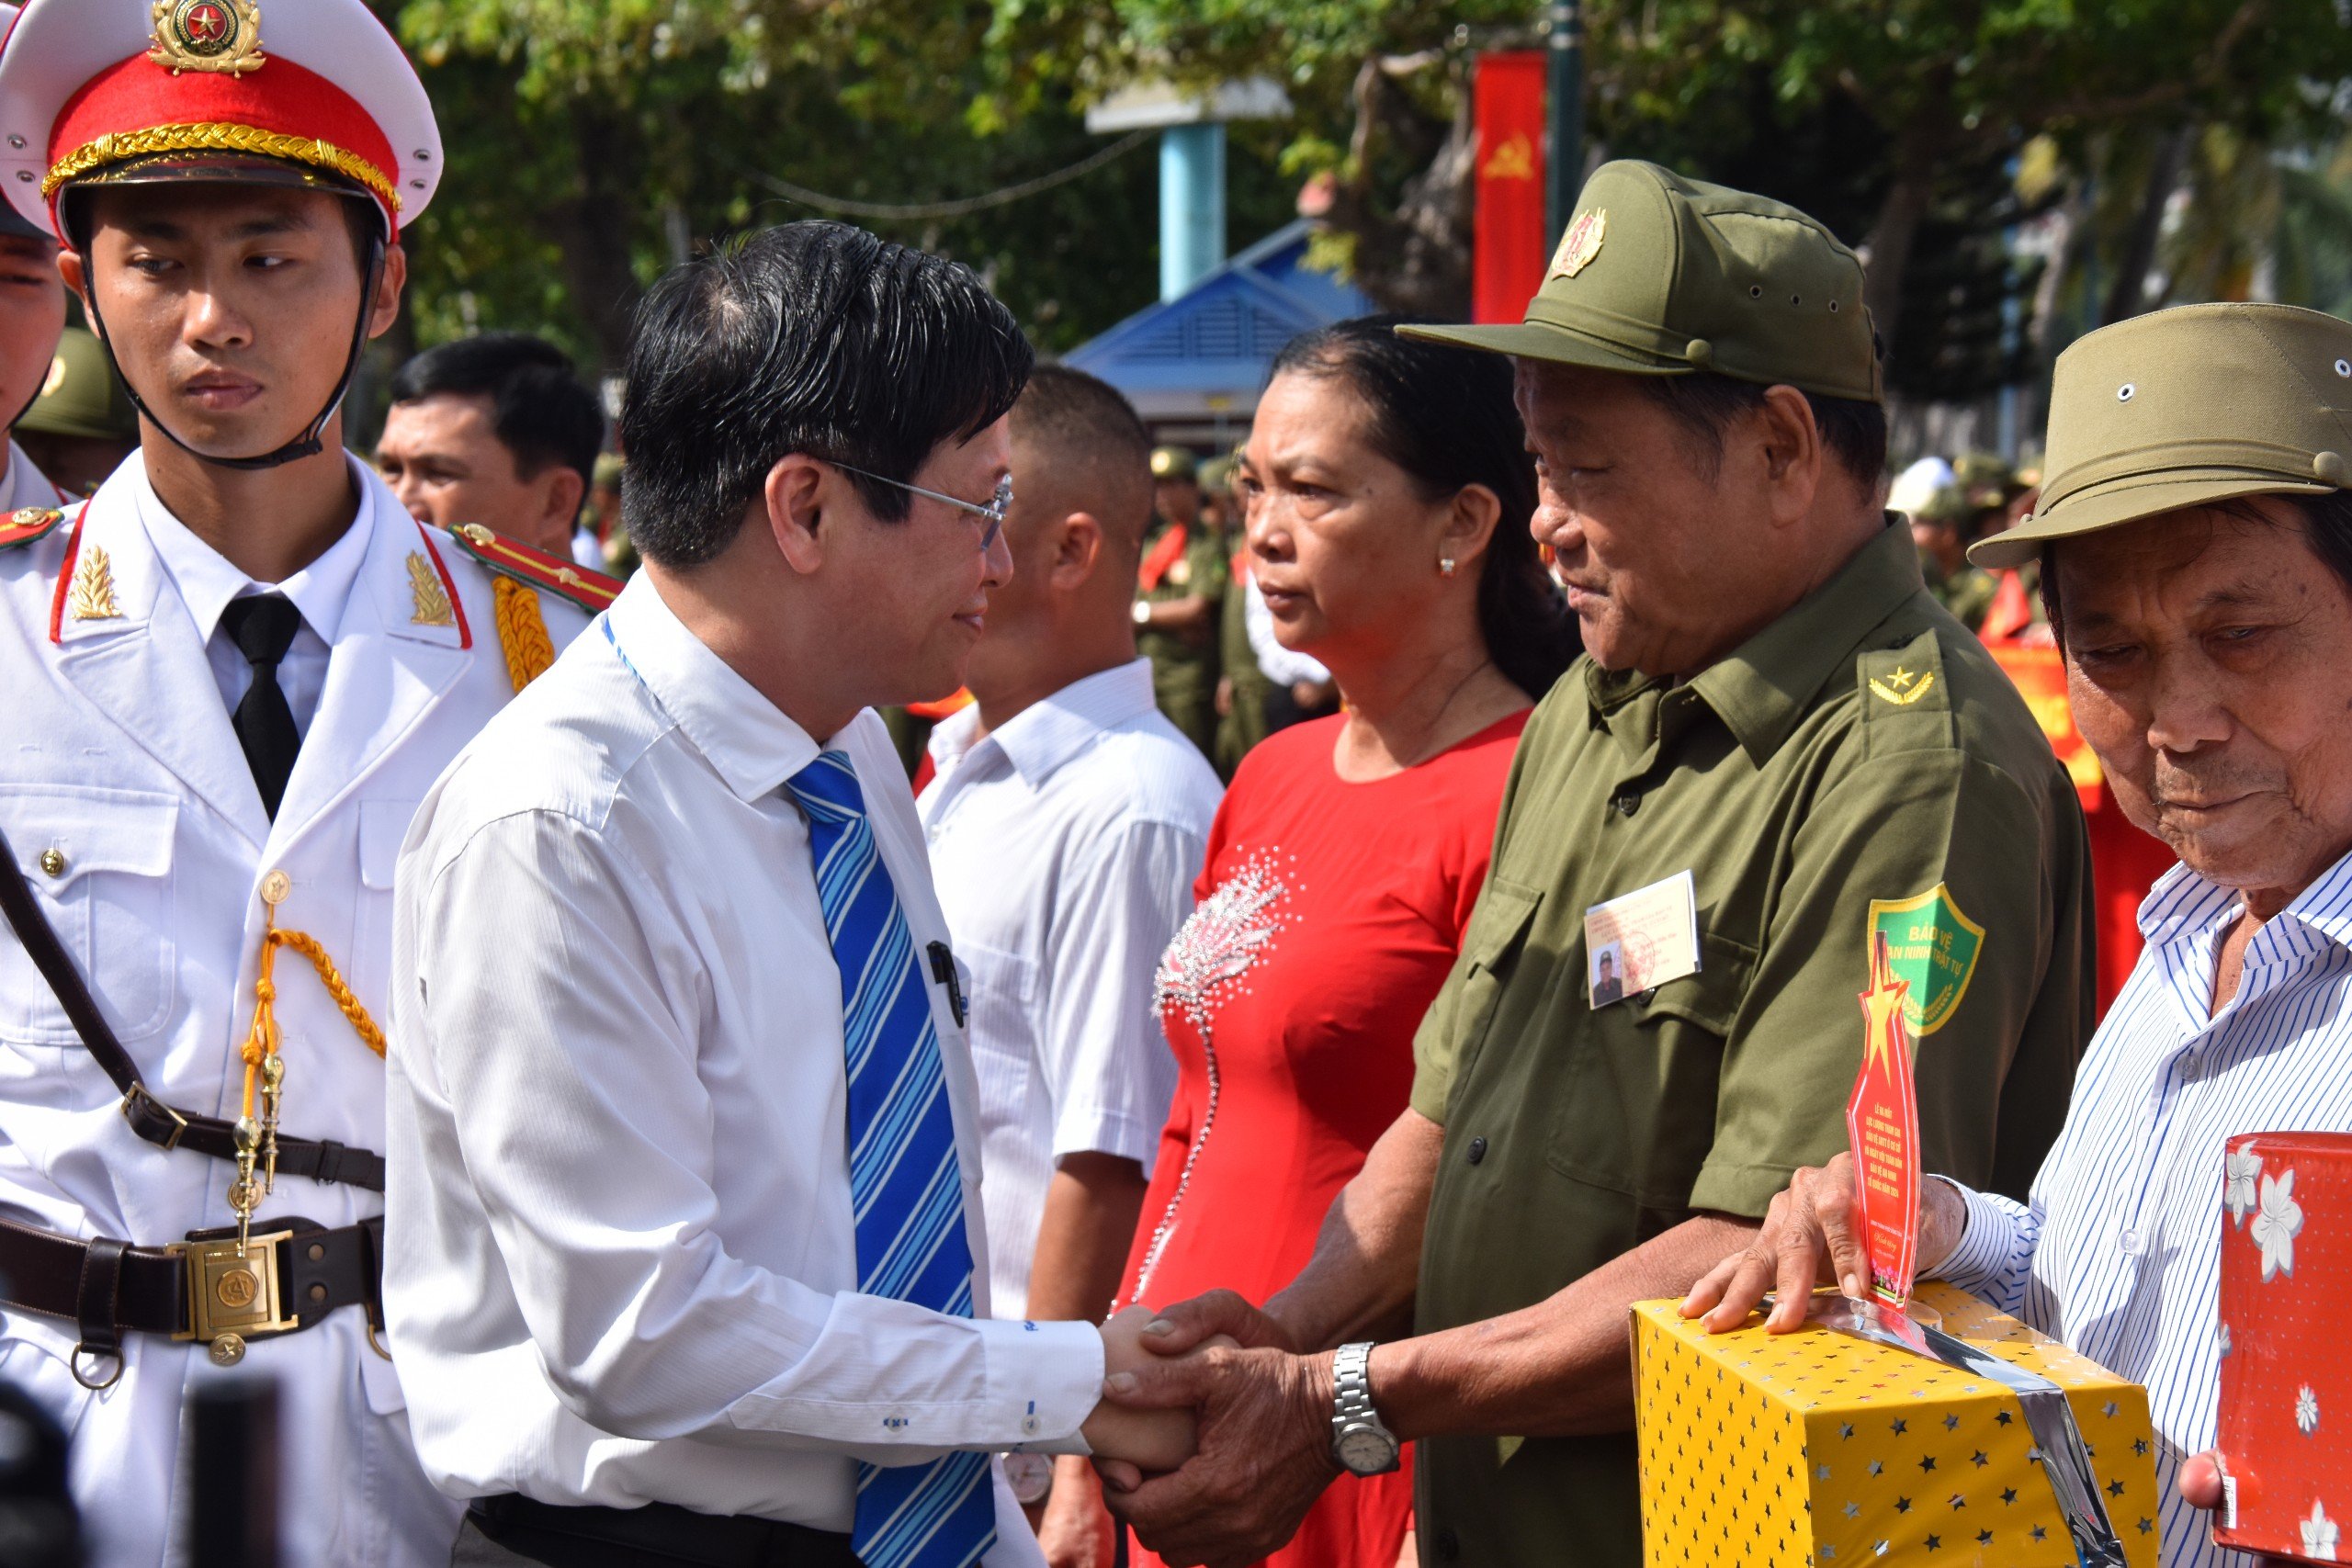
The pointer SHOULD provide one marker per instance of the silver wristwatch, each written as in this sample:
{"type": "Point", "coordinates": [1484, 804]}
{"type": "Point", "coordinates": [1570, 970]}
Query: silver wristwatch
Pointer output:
{"type": "Point", "coordinates": [1031, 1476]}
{"type": "Point", "coordinates": [1359, 1441]}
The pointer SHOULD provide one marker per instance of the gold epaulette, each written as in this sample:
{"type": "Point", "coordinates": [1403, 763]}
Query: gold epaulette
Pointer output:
{"type": "Point", "coordinates": [28, 523]}
{"type": "Point", "coordinates": [592, 591]}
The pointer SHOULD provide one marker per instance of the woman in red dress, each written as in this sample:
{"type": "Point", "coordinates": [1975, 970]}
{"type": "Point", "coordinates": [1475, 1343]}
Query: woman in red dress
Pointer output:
{"type": "Point", "coordinates": [1388, 493]}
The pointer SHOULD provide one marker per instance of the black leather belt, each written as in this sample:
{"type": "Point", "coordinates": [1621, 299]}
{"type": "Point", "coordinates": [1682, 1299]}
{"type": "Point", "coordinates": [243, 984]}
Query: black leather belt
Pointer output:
{"type": "Point", "coordinates": [659, 1535]}
{"type": "Point", "coordinates": [320, 1159]}
{"type": "Point", "coordinates": [289, 1274]}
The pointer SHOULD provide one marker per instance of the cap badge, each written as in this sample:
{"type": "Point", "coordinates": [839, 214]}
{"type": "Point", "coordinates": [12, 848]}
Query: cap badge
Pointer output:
{"type": "Point", "coordinates": [223, 36]}
{"type": "Point", "coordinates": [56, 376]}
{"type": "Point", "coordinates": [1581, 244]}
{"type": "Point", "coordinates": [432, 600]}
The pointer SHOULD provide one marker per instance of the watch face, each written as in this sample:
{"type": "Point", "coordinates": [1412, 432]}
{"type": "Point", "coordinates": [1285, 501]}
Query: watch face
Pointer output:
{"type": "Point", "coordinates": [1365, 1452]}
{"type": "Point", "coordinates": [1031, 1476]}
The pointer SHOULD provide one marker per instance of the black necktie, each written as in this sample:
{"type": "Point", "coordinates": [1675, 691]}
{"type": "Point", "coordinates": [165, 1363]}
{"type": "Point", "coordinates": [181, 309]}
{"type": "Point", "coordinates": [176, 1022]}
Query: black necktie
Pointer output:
{"type": "Point", "coordinates": [263, 628]}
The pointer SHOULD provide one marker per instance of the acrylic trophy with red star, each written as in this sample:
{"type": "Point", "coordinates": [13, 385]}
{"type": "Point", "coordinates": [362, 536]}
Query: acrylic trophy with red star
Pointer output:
{"type": "Point", "coordinates": [1883, 1120]}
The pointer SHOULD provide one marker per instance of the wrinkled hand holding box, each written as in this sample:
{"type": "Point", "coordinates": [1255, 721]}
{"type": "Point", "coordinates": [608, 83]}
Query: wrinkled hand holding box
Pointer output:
{"type": "Point", "coordinates": [1817, 1450]}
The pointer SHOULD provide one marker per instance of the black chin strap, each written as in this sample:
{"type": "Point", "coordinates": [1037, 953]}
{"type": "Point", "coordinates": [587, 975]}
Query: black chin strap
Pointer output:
{"type": "Point", "coordinates": [307, 444]}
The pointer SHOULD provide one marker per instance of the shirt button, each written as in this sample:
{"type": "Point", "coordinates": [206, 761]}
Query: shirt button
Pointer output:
{"type": "Point", "coordinates": [1626, 803]}
{"type": "Point", "coordinates": [2130, 1240]}
{"type": "Point", "coordinates": [52, 863]}
{"type": "Point", "coordinates": [1029, 1426]}
{"type": "Point", "coordinates": [1477, 1150]}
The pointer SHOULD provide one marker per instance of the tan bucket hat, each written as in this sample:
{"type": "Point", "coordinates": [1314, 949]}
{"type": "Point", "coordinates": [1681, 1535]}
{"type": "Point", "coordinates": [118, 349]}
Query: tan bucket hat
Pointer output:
{"type": "Point", "coordinates": [2187, 407]}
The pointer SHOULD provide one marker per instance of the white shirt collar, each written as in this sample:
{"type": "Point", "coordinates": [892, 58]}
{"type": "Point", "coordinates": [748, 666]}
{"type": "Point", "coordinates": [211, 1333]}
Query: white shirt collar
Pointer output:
{"type": "Point", "coordinates": [1039, 739]}
{"type": "Point", "coordinates": [207, 582]}
{"type": "Point", "coordinates": [2184, 906]}
{"type": "Point", "coordinates": [747, 739]}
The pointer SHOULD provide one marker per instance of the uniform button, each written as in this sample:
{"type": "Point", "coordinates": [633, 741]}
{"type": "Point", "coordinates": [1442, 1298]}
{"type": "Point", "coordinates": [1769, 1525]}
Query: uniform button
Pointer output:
{"type": "Point", "coordinates": [1449, 1546]}
{"type": "Point", "coordinates": [1477, 1150]}
{"type": "Point", "coordinates": [275, 886]}
{"type": "Point", "coordinates": [53, 861]}
{"type": "Point", "coordinates": [1626, 803]}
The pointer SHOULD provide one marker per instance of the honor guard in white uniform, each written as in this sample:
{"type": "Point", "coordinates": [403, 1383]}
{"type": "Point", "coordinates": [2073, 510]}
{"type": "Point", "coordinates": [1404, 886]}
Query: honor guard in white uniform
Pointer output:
{"type": "Point", "coordinates": [207, 767]}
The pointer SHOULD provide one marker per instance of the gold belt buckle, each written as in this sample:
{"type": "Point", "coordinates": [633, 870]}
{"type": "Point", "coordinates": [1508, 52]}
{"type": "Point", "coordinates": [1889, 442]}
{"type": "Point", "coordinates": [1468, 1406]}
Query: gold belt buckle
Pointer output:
{"type": "Point", "coordinates": [233, 1294]}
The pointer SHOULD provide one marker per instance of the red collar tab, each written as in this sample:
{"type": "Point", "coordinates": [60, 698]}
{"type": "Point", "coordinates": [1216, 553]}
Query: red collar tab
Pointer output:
{"type": "Point", "coordinates": [28, 523]}
{"type": "Point", "coordinates": [592, 591]}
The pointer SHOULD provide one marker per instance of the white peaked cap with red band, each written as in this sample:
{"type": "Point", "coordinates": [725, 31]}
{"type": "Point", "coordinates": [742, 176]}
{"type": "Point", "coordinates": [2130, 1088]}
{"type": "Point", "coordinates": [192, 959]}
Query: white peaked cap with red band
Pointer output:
{"type": "Point", "coordinates": [93, 90]}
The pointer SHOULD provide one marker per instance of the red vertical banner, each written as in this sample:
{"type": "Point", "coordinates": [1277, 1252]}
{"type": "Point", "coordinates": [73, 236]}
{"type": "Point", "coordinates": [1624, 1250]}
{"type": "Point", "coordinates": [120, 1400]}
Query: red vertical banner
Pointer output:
{"type": "Point", "coordinates": [1883, 1120]}
{"type": "Point", "coordinates": [1509, 243]}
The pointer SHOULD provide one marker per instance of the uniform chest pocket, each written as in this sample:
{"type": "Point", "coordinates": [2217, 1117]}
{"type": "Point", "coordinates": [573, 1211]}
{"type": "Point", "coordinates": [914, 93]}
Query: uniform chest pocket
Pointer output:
{"type": "Point", "coordinates": [1492, 940]}
{"type": "Point", "coordinates": [99, 861]}
{"type": "Point", "coordinates": [1003, 999]}
{"type": "Point", "coordinates": [1635, 1113]}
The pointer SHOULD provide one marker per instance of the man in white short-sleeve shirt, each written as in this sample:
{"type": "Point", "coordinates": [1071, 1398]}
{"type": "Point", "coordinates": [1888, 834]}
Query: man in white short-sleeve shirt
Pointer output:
{"type": "Point", "coordinates": [1068, 820]}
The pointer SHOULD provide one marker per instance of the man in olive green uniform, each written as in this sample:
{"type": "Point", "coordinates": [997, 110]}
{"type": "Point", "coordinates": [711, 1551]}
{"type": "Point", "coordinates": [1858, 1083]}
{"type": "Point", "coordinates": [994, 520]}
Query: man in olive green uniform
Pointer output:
{"type": "Point", "coordinates": [1938, 528]}
{"type": "Point", "coordinates": [1180, 588]}
{"type": "Point", "coordinates": [1777, 749]}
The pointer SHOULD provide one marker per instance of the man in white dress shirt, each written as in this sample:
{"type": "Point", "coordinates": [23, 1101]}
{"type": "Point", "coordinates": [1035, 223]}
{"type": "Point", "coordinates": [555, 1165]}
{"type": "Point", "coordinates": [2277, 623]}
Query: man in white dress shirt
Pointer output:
{"type": "Point", "coordinates": [1068, 822]}
{"type": "Point", "coordinates": [2195, 534]}
{"type": "Point", "coordinates": [228, 680]}
{"type": "Point", "coordinates": [685, 1253]}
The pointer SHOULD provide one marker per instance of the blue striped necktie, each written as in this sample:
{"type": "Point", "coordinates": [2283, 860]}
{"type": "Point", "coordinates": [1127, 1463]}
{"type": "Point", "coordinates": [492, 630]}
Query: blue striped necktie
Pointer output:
{"type": "Point", "coordinates": [905, 1188]}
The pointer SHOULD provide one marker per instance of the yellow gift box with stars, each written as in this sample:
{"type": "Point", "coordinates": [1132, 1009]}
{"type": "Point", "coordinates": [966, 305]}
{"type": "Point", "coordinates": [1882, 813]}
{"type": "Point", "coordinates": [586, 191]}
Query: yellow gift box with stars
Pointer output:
{"type": "Point", "coordinates": [1818, 1449]}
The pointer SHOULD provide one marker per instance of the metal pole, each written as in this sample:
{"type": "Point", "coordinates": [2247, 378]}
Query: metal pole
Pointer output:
{"type": "Point", "coordinates": [1192, 205]}
{"type": "Point", "coordinates": [1564, 25]}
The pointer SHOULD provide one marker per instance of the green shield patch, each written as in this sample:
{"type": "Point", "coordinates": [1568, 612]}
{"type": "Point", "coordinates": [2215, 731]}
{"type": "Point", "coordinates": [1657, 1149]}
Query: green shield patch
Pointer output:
{"type": "Point", "coordinates": [1935, 947]}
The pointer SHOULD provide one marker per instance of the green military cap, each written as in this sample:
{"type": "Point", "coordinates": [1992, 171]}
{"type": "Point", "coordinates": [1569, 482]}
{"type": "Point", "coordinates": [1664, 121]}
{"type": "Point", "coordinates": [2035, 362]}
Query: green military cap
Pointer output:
{"type": "Point", "coordinates": [1946, 504]}
{"type": "Point", "coordinates": [1661, 275]}
{"type": "Point", "coordinates": [2188, 407]}
{"type": "Point", "coordinates": [81, 396]}
{"type": "Point", "coordinates": [1217, 473]}
{"type": "Point", "coordinates": [1174, 463]}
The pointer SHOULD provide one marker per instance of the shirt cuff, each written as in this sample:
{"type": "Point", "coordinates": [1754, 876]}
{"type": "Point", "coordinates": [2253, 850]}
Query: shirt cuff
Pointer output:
{"type": "Point", "coordinates": [1988, 1246]}
{"type": "Point", "coordinates": [1050, 1375]}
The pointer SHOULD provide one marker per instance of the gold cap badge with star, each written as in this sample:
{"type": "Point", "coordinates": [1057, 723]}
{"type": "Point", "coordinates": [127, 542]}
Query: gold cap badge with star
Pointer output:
{"type": "Point", "coordinates": [221, 36]}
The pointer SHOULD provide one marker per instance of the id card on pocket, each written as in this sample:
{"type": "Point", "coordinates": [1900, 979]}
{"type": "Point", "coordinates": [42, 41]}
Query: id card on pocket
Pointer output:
{"type": "Point", "coordinates": [1638, 941]}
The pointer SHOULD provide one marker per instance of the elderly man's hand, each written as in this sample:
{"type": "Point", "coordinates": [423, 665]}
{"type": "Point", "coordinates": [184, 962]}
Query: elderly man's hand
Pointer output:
{"type": "Point", "coordinates": [1265, 1453]}
{"type": "Point", "coordinates": [1175, 1330]}
{"type": "Point", "coordinates": [2201, 1487]}
{"type": "Point", "coordinates": [1811, 1235]}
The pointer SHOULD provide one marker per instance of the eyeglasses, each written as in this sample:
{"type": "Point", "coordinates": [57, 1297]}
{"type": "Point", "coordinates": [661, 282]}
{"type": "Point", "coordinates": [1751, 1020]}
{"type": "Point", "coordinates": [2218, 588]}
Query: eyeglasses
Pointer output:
{"type": "Point", "coordinates": [993, 514]}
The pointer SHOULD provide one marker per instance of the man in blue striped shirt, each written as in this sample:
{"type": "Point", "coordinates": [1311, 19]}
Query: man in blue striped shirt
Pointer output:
{"type": "Point", "coordinates": [2196, 544]}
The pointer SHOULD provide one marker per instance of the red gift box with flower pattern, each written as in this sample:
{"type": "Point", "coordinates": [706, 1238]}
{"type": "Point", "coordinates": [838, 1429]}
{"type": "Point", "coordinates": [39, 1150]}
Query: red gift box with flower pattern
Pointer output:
{"type": "Point", "coordinates": [2286, 1412]}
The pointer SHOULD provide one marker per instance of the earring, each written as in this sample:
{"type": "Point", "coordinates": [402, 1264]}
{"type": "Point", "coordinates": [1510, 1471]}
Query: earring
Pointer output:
{"type": "Point", "coordinates": [1445, 566]}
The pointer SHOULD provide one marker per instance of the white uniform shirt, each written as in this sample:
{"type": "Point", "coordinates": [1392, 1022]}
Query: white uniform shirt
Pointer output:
{"type": "Point", "coordinates": [119, 755]}
{"type": "Point", "coordinates": [621, 1261]}
{"type": "Point", "coordinates": [1065, 846]}
{"type": "Point", "coordinates": [2118, 1251]}
{"type": "Point", "coordinates": [24, 485]}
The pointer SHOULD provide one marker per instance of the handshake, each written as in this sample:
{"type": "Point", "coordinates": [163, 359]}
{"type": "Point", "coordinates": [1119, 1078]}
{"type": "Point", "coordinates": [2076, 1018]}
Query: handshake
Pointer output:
{"type": "Point", "coordinates": [1214, 1436]}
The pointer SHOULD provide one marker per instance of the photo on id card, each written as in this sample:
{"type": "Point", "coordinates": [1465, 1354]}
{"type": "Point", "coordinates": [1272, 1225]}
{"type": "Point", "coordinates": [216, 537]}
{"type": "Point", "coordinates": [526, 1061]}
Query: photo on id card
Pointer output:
{"type": "Point", "coordinates": [1638, 941]}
